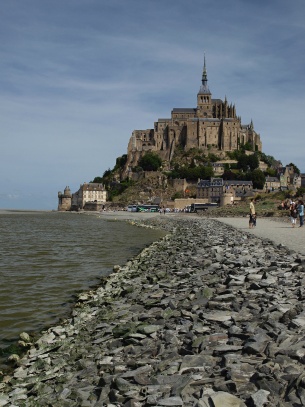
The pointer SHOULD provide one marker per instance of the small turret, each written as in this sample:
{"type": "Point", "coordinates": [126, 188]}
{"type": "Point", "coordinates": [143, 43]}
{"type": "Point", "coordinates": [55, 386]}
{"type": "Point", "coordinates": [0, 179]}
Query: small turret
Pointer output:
{"type": "Point", "coordinates": [67, 192]}
{"type": "Point", "coordinates": [64, 200]}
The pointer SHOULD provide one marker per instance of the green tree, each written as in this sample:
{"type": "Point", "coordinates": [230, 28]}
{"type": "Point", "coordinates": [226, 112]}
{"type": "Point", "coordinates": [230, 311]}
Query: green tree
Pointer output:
{"type": "Point", "coordinates": [269, 160]}
{"type": "Point", "coordinates": [300, 191]}
{"type": "Point", "coordinates": [271, 172]}
{"type": "Point", "coordinates": [242, 162]}
{"type": "Point", "coordinates": [247, 162]}
{"type": "Point", "coordinates": [296, 170]}
{"type": "Point", "coordinates": [253, 161]}
{"type": "Point", "coordinates": [248, 146]}
{"type": "Point", "coordinates": [121, 161]}
{"type": "Point", "coordinates": [232, 154]}
{"type": "Point", "coordinates": [213, 157]}
{"type": "Point", "coordinates": [229, 175]}
{"type": "Point", "coordinates": [177, 195]}
{"type": "Point", "coordinates": [97, 180]}
{"type": "Point", "coordinates": [150, 162]}
{"type": "Point", "coordinates": [107, 173]}
{"type": "Point", "coordinates": [117, 188]}
{"type": "Point", "coordinates": [258, 179]}
{"type": "Point", "coordinates": [192, 173]}
{"type": "Point", "coordinates": [206, 172]}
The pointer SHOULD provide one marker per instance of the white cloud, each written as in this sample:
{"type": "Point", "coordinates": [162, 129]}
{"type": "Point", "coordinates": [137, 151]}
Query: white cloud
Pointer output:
{"type": "Point", "coordinates": [78, 77]}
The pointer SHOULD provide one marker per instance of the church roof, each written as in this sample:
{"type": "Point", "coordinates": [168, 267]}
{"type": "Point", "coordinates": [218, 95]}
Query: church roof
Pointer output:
{"type": "Point", "coordinates": [205, 119]}
{"type": "Point", "coordinates": [184, 110]}
{"type": "Point", "coordinates": [204, 90]}
{"type": "Point", "coordinates": [272, 179]}
{"type": "Point", "coordinates": [237, 183]}
{"type": "Point", "coordinates": [92, 186]}
{"type": "Point", "coordinates": [214, 182]}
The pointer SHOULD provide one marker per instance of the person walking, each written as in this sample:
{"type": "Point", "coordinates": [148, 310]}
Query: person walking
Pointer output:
{"type": "Point", "coordinates": [252, 219]}
{"type": "Point", "coordinates": [301, 212]}
{"type": "Point", "coordinates": [293, 214]}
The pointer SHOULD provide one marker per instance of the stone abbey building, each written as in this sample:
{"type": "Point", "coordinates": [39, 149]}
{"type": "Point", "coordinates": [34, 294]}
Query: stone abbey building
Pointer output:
{"type": "Point", "coordinates": [212, 126]}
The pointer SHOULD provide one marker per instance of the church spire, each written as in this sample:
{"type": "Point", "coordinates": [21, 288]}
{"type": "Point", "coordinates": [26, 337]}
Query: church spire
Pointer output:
{"type": "Point", "coordinates": [204, 74]}
{"type": "Point", "coordinates": [204, 89]}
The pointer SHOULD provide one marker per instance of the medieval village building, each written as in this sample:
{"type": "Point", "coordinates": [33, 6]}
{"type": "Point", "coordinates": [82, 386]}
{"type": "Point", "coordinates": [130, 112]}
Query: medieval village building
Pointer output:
{"type": "Point", "coordinates": [90, 196]}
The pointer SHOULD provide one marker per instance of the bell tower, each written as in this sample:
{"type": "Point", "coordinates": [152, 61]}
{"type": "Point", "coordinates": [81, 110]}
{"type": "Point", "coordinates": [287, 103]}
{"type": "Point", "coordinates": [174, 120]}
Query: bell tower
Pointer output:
{"type": "Point", "coordinates": [204, 96]}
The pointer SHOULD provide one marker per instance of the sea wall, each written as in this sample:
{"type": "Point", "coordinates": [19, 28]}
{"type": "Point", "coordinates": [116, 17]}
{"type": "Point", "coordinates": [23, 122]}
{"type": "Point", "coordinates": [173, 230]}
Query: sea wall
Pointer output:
{"type": "Point", "coordinates": [208, 316]}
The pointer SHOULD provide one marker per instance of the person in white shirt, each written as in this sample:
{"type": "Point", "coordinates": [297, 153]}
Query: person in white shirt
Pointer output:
{"type": "Point", "coordinates": [252, 219]}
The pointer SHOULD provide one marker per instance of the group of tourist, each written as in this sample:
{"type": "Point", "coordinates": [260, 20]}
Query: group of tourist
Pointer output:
{"type": "Point", "coordinates": [297, 210]}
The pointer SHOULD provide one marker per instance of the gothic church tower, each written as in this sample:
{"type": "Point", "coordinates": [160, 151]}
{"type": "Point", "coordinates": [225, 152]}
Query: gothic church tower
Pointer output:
{"type": "Point", "coordinates": [204, 96]}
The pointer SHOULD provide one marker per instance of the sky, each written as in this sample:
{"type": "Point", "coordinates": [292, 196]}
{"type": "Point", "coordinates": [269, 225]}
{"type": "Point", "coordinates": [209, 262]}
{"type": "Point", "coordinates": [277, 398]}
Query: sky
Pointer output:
{"type": "Point", "coordinates": [78, 76]}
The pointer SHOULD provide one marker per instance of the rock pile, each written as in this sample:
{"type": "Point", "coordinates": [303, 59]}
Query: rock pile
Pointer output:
{"type": "Point", "coordinates": [207, 317]}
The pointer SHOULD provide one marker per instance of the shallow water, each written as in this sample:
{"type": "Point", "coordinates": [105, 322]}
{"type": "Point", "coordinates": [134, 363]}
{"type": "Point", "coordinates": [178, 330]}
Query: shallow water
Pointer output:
{"type": "Point", "coordinates": [46, 258]}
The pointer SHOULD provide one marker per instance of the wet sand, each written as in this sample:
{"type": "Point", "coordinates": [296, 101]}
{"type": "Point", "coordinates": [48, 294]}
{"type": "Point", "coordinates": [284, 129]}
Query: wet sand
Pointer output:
{"type": "Point", "coordinates": [278, 231]}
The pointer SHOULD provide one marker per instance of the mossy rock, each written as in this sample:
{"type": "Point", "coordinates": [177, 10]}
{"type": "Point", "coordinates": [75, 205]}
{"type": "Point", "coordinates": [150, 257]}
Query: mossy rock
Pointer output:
{"type": "Point", "coordinates": [124, 330]}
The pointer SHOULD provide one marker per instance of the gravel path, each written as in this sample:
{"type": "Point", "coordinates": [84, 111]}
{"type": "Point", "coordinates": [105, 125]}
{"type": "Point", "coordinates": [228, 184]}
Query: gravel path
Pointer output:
{"type": "Point", "coordinates": [280, 232]}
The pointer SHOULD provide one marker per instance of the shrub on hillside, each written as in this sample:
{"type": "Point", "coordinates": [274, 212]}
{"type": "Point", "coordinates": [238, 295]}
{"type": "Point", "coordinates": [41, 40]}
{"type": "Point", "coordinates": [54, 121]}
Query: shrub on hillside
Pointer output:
{"type": "Point", "coordinates": [150, 162]}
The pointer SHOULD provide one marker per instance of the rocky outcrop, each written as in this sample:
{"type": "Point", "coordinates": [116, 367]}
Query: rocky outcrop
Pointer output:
{"type": "Point", "coordinates": [209, 316]}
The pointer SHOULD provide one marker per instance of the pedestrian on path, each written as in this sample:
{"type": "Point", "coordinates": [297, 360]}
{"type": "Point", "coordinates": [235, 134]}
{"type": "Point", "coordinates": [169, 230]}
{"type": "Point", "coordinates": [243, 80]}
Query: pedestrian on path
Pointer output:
{"type": "Point", "coordinates": [301, 212]}
{"type": "Point", "coordinates": [293, 214]}
{"type": "Point", "coordinates": [252, 219]}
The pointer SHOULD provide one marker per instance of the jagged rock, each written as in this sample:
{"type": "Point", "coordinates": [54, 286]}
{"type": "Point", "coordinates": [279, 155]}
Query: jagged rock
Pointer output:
{"type": "Point", "coordinates": [25, 337]}
{"type": "Point", "coordinates": [13, 359]}
{"type": "Point", "coordinates": [4, 400]}
{"type": "Point", "coordinates": [192, 320]}
{"type": "Point", "coordinates": [260, 398]}
{"type": "Point", "coordinates": [221, 399]}
{"type": "Point", "coordinates": [171, 401]}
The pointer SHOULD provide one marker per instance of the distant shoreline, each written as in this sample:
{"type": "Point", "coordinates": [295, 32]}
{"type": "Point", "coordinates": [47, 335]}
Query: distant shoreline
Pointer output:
{"type": "Point", "coordinates": [4, 211]}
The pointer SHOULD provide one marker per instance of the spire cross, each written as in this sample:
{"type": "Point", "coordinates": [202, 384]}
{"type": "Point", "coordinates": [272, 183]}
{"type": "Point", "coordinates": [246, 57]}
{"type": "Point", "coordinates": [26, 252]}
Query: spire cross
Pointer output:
{"type": "Point", "coordinates": [204, 73]}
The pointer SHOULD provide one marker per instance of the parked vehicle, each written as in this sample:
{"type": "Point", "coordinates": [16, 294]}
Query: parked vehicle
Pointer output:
{"type": "Point", "coordinates": [198, 207]}
{"type": "Point", "coordinates": [147, 208]}
{"type": "Point", "coordinates": [132, 208]}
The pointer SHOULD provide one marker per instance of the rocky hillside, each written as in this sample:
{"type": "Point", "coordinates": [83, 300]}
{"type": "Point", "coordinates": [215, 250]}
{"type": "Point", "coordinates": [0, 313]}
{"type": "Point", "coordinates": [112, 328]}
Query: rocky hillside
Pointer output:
{"type": "Point", "coordinates": [145, 190]}
{"type": "Point", "coordinates": [141, 185]}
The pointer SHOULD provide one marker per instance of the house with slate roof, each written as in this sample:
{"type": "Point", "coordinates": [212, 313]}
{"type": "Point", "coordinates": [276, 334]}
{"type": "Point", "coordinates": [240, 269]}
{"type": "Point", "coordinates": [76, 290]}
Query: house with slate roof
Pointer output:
{"type": "Point", "coordinates": [217, 190]}
{"type": "Point", "coordinates": [272, 183]}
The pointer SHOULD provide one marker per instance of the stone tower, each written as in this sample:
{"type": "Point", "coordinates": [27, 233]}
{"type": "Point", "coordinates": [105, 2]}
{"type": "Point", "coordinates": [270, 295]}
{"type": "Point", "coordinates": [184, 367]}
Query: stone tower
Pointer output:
{"type": "Point", "coordinates": [204, 97]}
{"type": "Point", "coordinates": [65, 200]}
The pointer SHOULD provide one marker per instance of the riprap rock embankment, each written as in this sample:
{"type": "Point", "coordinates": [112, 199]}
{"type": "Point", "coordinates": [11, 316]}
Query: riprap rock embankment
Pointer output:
{"type": "Point", "coordinates": [209, 316]}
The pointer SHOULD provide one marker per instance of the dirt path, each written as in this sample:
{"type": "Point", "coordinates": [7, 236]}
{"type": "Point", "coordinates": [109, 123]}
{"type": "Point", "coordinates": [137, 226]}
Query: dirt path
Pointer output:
{"type": "Point", "coordinates": [280, 232]}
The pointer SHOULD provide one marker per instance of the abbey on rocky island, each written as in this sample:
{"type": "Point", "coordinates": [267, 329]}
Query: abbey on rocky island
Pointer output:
{"type": "Point", "coordinates": [212, 126]}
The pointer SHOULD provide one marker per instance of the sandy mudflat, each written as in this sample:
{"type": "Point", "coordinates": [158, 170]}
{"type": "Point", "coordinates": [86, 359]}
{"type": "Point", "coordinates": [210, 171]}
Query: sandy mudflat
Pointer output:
{"type": "Point", "coordinates": [280, 232]}
{"type": "Point", "coordinates": [124, 215]}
